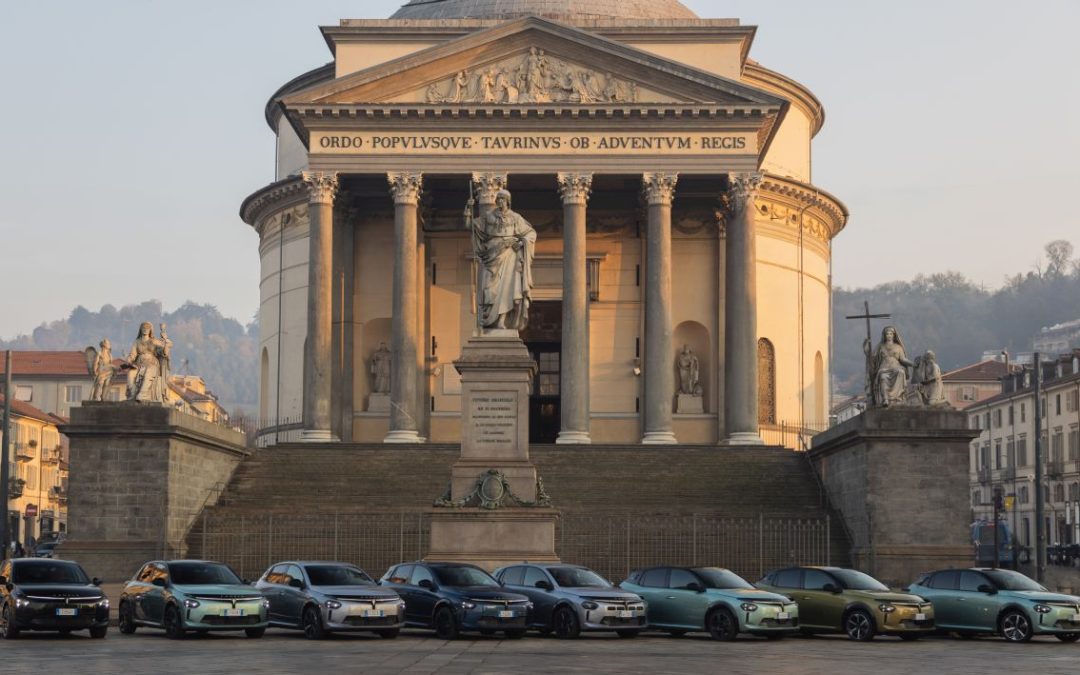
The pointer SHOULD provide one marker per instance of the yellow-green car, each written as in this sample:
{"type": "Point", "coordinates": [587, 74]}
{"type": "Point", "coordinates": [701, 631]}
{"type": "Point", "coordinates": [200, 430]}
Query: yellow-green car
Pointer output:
{"type": "Point", "coordinates": [837, 600]}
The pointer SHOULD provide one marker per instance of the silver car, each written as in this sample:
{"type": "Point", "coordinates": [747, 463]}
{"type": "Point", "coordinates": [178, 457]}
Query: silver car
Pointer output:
{"type": "Point", "coordinates": [327, 597]}
{"type": "Point", "coordinates": [569, 599]}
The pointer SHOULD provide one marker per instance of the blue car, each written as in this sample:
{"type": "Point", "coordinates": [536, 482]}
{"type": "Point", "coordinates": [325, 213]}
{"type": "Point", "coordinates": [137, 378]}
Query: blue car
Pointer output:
{"type": "Point", "coordinates": [568, 599]}
{"type": "Point", "coordinates": [455, 597]}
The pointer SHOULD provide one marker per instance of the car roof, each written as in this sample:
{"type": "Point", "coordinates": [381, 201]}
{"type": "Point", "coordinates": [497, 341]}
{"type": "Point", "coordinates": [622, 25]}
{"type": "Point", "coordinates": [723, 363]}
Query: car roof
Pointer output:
{"type": "Point", "coordinates": [314, 562]}
{"type": "Point", "coordinates": [42, 561]}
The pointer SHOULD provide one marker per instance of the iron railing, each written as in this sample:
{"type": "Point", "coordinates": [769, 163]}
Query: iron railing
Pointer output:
{"type": "Point", "coordinates": [791, 435]}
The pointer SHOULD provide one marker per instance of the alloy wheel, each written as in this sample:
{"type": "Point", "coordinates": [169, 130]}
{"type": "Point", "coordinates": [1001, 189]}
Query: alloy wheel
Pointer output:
{"type": "Point", "coordinates": [446, 624]}
{"type": "Point", "coordinates": [174, 629]}
{"type": "Point", "coordinates": [313, 625]}
{"type": "Point", "coordinates": [567, 626]}
{"type": "Point", "coordinates": [859, 626]}
{"type": "Point", "coordinates": [127, 619]}
{"type": "Point", "coordinates": [11, 631]}
{"type": "Point", "coordinates": [1015, 626]}
{"type": "Point", "coordinates": [722, 625]}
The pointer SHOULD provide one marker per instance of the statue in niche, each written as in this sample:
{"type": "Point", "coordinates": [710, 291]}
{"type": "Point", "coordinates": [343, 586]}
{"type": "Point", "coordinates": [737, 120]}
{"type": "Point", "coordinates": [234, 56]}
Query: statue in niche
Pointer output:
{"type": "Point", "coordinates": [148, 361]}
{"type": "Point", "coordinates": [888, 366]}
{"type": "Point", "coordinates": [380, 370]}
{"type": "Point", "coordinates": [101, 367]}
{"type": "Point", "coordinates": [689, 372]}
{"type": "Point", "coordinates": [504, 244]}
{"type": "Point", "coordinates": [928, 380]}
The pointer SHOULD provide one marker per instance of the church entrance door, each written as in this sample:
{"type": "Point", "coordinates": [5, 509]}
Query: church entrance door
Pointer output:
{"type": "Point", "coordinates": [543, 338]}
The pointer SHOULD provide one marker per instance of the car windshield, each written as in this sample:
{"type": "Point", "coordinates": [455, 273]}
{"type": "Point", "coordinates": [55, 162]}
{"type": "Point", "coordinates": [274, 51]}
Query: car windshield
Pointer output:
{"type": "Point", "coordinates": [714, 577]}
{"type": "Point", "coordinates": [192, 573]}
{"type": "Point", "coordinates": [27, 572]}
{"type": "Point", "coordinates": [1007, 580]}
{"type": "Point", "coordinates": [575, 577]}
{"type": "Point", "coordinates": [337, 575]}
{"type": "Point", "coordinates": [464, 576]}
{"type": "Point", "coordinates": [857, 581]}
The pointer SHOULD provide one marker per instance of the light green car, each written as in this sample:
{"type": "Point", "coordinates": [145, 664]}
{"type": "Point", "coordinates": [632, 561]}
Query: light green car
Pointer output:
{"type": "Point", "coordinates": [191, 595]}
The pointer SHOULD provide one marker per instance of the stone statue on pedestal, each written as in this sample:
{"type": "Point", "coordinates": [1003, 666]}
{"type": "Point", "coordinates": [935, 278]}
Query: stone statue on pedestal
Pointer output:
{"type": "Point", "coordinates": [101, 367]}
{"type": "Point", "coordinates": [504, 244]}
{"type": "Point", "coordinates": [888, 366]}
{"type": "Point", "coordinates": [690, 397]}
{"type": "Point", "coordinates": [148, 377]}
{"type": "Point", "coordinates": [928, 380]}
{"type": "Point", "coordinates": [380, 370]}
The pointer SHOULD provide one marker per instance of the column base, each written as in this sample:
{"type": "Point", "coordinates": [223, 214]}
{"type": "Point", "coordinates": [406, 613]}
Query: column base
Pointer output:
{"type": "Point", "coordinates": [573, 438]}
{"type": "Point", "coordinates": [740, 438]}
{"type": "Point", "coordinates": [659, 438]}
{"type": "Point", "coordinates": [318, 436]}
{"type": "Point", "coordinates": [403, 436]}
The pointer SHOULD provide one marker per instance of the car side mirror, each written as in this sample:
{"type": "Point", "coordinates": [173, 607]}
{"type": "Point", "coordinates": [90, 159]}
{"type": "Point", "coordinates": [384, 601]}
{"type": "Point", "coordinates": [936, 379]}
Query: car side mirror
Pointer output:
{"type": "Point", "coordinates": [95, 581]}
{"type": "Point", "coordinates": [545, 584]}
{"type": "Point", "coordinates": [695, 587]}
{"type": "Point", "coordinates": [830, 588]}
{"type": "Point", "coordinates": [296, 583]}
{"type": "Point", "coordinates": [986, 588]}
{"type": "Point", "coordinates": [3, 580]}
{"type": "Point", "coordinates": [159, 582]}
{"type": "Point", "coordinates": [427, 583]}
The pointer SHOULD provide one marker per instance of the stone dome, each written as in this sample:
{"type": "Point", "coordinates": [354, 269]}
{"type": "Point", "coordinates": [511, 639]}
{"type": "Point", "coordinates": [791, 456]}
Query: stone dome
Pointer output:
{"type": "Point", "coordinates": [552, 9]}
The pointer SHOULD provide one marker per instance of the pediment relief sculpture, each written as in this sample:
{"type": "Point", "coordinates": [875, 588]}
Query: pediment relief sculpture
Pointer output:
{"type": "Point", "coordinates": [535, 77]}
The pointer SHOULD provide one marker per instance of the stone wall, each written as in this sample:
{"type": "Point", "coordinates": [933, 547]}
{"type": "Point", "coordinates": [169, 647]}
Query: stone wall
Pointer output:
{"type": "Point", "coordinates": [139, 474]}
{"type": "Point", "coordinates": [899, 478]}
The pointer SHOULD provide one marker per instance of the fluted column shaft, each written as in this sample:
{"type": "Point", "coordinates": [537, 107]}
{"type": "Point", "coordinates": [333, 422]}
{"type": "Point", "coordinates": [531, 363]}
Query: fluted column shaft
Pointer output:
{"type": "Point", "coordinates": [659, 367]}
{"type": "Point", "coordinates": [574, 189]}
{"type": "Point", "coordinates": [740, 347]}
{"type": "Point", "coordinates": [322, 188]}
{"type": "Point", "coordinates": [405, 188]}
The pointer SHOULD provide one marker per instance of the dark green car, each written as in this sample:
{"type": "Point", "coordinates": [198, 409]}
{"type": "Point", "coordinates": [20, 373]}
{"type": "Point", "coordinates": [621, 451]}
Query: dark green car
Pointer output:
{"type": "Point", "coordinates": [834, 599]}
{"type": "Point", "coordinates": [979, 600]}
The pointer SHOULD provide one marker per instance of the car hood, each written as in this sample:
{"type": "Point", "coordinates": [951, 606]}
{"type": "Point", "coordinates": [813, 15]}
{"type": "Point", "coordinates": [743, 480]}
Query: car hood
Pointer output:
{"type": "Point", "coordinates": [217, 589]}
{"type": "Point", "coordinates": [484, 593]}
{"type": "Point", "coordinates": [887, 596]}
{"type": "Point", "coordinates": [749, 594]}
{"type": "Point", "coordinates": [61, 590]}
{"type": "Point", "coordinates": [353, 591]}
{"type": "Point", "coordinates": [600, 593]}
{"type": "Point", "coordinates": [1041, 595]}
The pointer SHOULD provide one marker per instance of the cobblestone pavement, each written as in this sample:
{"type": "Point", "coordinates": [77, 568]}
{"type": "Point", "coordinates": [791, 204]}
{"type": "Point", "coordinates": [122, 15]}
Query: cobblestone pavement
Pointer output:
{"type": "Point", "coordinates": [418, 652]}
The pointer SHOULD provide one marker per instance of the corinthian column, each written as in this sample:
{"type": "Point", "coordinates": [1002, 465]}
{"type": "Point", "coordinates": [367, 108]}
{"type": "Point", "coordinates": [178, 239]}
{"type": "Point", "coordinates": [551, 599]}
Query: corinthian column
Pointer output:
{"type": "Point", "coordinates": [659, 368]}
{"type": "Point", "coordinates": [740, 316]}
{"type": "Point", "coordinates": [322, 189]}
{"type": "Point", "coordinates": [487, 187]}
{"type": "Point", "coordinates": [405, 187]}
{"type": "Point", "coordinates": [574, 189]}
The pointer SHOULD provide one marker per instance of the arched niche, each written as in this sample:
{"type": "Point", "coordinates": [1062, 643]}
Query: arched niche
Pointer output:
{"type": "Point", "coordinates": [696, 336]}
{"type": "Point", "coordinates": [766, 355]}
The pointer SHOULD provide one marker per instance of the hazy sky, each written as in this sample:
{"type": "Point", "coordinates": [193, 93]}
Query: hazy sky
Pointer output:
{"type": "Point", "coordinates": [130, 132]}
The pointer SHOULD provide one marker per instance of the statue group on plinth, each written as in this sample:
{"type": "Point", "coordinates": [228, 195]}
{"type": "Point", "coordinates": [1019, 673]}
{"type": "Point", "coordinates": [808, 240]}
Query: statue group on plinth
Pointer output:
{"type": "Point", "coordinates": [893, 379]}
{"type": "Point", "coordinates": [147, 367]}
{"type": "Point", "coordinates": [504, 244]}
{"type": "Point", "coordinates": [690, 397]}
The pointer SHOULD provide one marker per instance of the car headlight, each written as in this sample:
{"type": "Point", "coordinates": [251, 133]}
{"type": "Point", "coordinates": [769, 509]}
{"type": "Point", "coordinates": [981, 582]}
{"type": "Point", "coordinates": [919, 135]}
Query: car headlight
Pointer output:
{"type": "Point", "coordinates": [749, 607]}
{"type": "Point", "coordinates": [191, 604]}
{"type": "Point", "coordinates": [266, 603]}
{"type": "Point", "coordinates": [589, 604]}
{"type": "Point", "coordinates": [886, 608]}
{"type": "Point", "coordinates": [529, 606]}
{"type": "Point", "coordinates": [333, 604]}
{"type": "Point", "coordinates": [104, 603]}
{"type": "Point", "coordinates": [22, 602]}
{"type": "Point", "coordinates": [1042, 609]}
{"type": "Point", "coordinates": [468, 605]}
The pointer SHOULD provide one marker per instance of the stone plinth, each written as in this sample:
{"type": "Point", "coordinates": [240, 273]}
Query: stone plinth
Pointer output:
{"type": "Point", "coordinates": [899, 478]}
{"type": "Point", "coordinates": [379, 403]}
{"type": "Point", "coordinates": [688, 404]}
{"type": "Point", "coordinates": [139, 475]}
{"type": "Point", "coordinates": [492, 539]}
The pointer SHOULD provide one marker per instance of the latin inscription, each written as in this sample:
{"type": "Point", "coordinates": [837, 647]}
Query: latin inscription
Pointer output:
{"type": "Point", "coordinates": [367, 143]}
{"type": "Point", "coordinates": [494, 419]}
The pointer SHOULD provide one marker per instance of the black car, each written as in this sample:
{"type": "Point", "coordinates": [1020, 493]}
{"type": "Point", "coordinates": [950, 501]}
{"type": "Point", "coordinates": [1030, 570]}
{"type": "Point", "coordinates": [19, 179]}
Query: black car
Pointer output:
{"type": "Point", "coordinates": [455, 597]}
{"type": "Point", "coordinates": [50, 595]}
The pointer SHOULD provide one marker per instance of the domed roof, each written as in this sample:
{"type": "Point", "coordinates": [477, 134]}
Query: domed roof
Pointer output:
{"type": "Point", "coordinates": [553, 9]}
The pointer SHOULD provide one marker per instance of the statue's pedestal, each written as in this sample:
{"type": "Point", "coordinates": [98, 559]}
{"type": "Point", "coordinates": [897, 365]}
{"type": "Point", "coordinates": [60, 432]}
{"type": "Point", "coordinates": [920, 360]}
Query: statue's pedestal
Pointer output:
{"type": "Point", "coordinates": [688, 404]}
{"type": "Point", "coordinates": [379, 403]}
{"type": "Point", "coordinates": [494, 468]}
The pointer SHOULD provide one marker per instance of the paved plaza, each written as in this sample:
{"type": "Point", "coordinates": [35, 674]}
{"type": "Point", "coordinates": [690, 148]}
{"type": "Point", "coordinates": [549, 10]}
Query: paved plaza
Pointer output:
{"type": "Point", "coordinates": [418, 652]}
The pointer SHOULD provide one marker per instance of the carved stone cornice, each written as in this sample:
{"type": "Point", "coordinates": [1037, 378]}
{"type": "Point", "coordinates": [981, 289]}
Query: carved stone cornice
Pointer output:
{"type": "Point", "coordinates": [322, 186]}
{"type": "Point", "coordinates": [743, 190]}
{"type": "Point", "coordinates": [272, 198]}
{"type": "Point", "coordinates": [575, 188]}
{"type": "Point", "coordinates": [405, 186]}
{"type": "Point", "coordinates": [659, 187]}
{"type": "Point", "coordinates": [487, 186]}
{"type": "Point", "coordinates": [787, 201]}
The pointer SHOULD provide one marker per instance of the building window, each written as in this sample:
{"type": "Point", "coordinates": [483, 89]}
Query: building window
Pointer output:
{"type": "Point", "coordinates": [1023, 413]}
{"type": "Point", "coordinates": [1059, 493]}
{"type": "Point", "coordinates": [73, 393]}
{"type": "Point", "coordinates": [1072, 401]}
{"type": "Point", "coordinates": [1027, 532]}
{"type": "Point", "coordinates": [997, 454]}
{"type": "Point", "coordinates": [1074, 444]}
{"type": "Point", "coordinates": [997, 418]}
{"type": "Point", "coordinates": [1057, 447]}
{"type": "Point", "coordinates": [1023, 495]}
{"type": "Point", "coordinates": [1012, 417]}
{"type": "Point", "coordinates": [1057, 404]}
{"type": "Point", "coordinates": [1010, 453]}
{"type": "Point", "coordinates": [1043, 408]}
{"type": "Point", "coordinates": [967, 393]}
{"type": "Point", "coordinates": [986, 420]}
{"type": "Point", "coordinates": [1074, 492]}
{"type": "Point", "coordinates": [985, 463]}
{"type": "Point", "coordinates": [766, 382]}
{"type": "Point", "coordinates": [976, 497]}
{"type": "Point", "coordinates": [24, 393]}
{"type": "Point", "coordinates": [1021, 452]}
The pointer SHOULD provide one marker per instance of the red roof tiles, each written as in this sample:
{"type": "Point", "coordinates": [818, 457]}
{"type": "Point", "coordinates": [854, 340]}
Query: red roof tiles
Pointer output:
{"type": "Point", "coordinates": [31, 363]}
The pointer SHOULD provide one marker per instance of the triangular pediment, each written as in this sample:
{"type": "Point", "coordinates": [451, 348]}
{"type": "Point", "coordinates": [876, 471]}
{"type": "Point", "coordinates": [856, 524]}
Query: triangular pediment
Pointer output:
{"type": "Point", "coordinates": [533, 61]}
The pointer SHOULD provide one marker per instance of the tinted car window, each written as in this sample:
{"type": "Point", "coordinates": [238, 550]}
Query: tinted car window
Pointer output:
{"type": "Point", "coordinates": [970, 581]}
{"type": "Point", "coordinates": [146, 574]}
{"type": "Point", "coordinates": [400, 575]}
{"type": "Point", "coordinates": [714, 577]}
{"type": "Point", "coordinates": [420, 573]}
{"type": "Point", "coordinates": [513, 576]}
{"type": "Point", "coordinates": [276, 575]}
{"type": "Point", "coordinates": [815, 580]}
{"type": "Point", "coordinates": [337, 575]}
{"type": "Point", "coordinates": [857, 581]}
{"type": "Point", "coordinates": [201, 573]}
{"type": "Point", "coordinates": [1007, 580]}
{"type": "Point", "coordinates": [574, 577]}
{"type": "Point", "coordinates": [787, 579]}
{"type": "Point", "coordinates": [657, 578]}
{"type": "Point", "coordinates": [682, 579]}
{"type": "Point", "coordinates": [294, 573]}
{"type": "Point", "coordinates": [945, 580]}
{"type": "Point", "coordinates": [48, 573]}
{"type": "Point", "coordinates": [533, 575]}
{"type": "Point", "coordinates": [464, 576]}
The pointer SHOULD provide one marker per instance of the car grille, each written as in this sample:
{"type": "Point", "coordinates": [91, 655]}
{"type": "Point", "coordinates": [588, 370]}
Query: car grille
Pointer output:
{"type": "Point", "coordinates": [493, 621]}
{"type": "Point", "coordinates": [371, 621]}
{"type": "Point", "coordinates": [786, 623]}
{"type": "Point", "coordinates": [488, 601]}
{"type": "Point", "coordinates": [363, 598]}
{"type": "Point", "coordinates": [616, 621]}
{"type": "Point", "coordinates": [227, 598]}
{"type": "Point", "coordinates": [231, 620]}
{"type": "Point", "coordinates": [64, 598]}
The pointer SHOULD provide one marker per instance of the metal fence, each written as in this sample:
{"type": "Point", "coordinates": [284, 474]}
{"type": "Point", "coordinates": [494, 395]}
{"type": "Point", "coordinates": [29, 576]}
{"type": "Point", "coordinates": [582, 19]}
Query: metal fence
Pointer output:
{"type": "Point", "coordinates": [611, 544]}
{"type": "Point", "coordinates": [792, 435]}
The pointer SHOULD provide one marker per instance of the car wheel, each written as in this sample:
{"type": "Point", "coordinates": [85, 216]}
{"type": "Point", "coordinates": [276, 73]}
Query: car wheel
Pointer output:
{"type": "Point", "coordinates": [515, 634]}
{"type": "Point", "coordinates": [254, 633]}
{"type": "Point", "coordinates": [313, 625]}
{"type": "Point", "coordinates": [127, 619]}
{"type": "Point", "coordinates": [174, 627]}
{"type": "Point", "coordinates": [1068, 637]}
{"type": "Point", "coordinates": [859, 626]}
{"type": "Point", "coordinates": [628, 634]}
{"type": "Point", "coordinates": [910, 637]}
{"type": "Point", "coordinates": [446, 624]}
{"type": "Point", "coordinates": [565, 623]}
{"type": "Point", "coordinates": [1015, 626]}
{"type": "Point", "coordinates": [11, 631]}
{"type": "Point", "coordinates": [389, 633]}
{"type": "Point", "coordinates": [722, 625]}
{"type": "Point", "coordinates": [98, 632]}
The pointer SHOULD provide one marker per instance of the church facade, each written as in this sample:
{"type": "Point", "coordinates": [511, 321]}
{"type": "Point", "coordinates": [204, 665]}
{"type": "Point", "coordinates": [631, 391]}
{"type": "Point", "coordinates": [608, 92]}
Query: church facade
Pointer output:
{"type": "Point", "coordinates": [681, 277]}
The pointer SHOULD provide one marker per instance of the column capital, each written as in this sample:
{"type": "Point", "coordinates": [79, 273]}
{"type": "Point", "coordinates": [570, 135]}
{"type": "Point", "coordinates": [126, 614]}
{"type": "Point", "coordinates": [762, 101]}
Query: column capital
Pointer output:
{"type": "Point", "coordinates": [322, 186]}
{"type": "Point", "coordinates": [659, 187]}
{"type": "Point", "coordinates": [743, 189]}
{"type": "Point", "coordinates": [405, 186]}
{"type": "Point", "coordinates": [487, 186]}
{"type": "Point", "coordinates": [575, 188]}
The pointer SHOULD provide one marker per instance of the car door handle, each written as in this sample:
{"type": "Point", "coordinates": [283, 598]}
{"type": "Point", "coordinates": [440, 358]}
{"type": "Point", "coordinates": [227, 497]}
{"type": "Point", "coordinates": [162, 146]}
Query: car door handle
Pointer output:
{"type": "Point", "coordinates": [960, 600]}
{"type": "Point", "coordinates": [669, 597]}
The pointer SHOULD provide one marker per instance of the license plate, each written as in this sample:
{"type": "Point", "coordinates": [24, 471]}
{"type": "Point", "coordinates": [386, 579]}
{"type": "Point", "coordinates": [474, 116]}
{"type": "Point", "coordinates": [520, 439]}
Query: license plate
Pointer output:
{"type": "Point", "coordinates": [232, 612]}
{"type": "Point", "coordinates": [626, 614]}
{"type": "Point", "coordinates": [920, 617]}
{"type": "Point", "coordinates": [372, 613]}
{"type": "Point", "coordinates": [67, 611]}
{"type": "Point", "coordinates": [782, 616]}
{"type": "Point", "coordinates": [506, 614]}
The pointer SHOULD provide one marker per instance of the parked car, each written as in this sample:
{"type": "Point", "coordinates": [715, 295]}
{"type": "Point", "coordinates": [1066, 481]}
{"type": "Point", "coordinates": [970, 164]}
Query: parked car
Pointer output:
{"type": "Point", "coordinates": [980, 600]}
{"type": "Point", "coordinates": [45, 549]}
{"type": "Point", "coordinates": [198, 595]}
{"type": "Point", "coordinates": [326, 597]}
{"type": "Point", "coordinates": [683, 599]}
{"type": "Point", "coordinates": [50, 595]}
{"type": "Point", "coordinates": [833, 599]}
{"type": "Point", "coordinates": [455, 597]}
{"type": "Point", "coordinates": [568, 599]}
